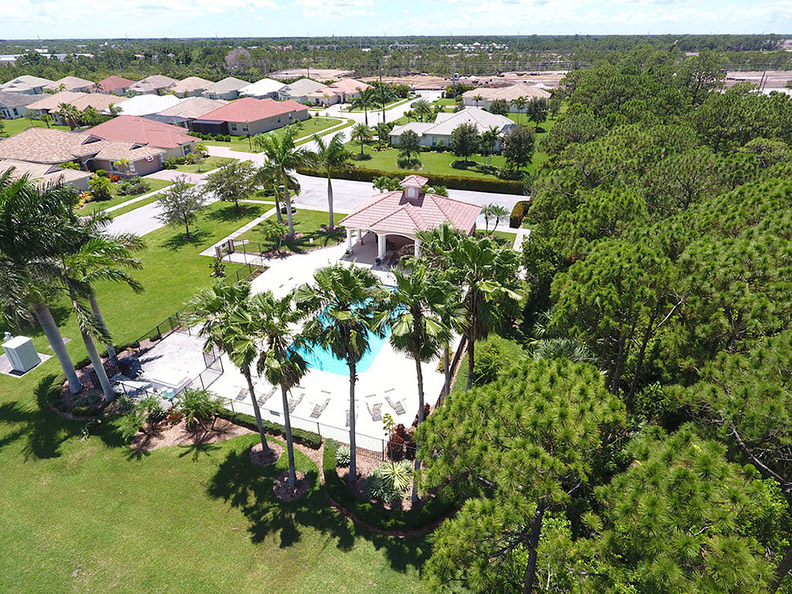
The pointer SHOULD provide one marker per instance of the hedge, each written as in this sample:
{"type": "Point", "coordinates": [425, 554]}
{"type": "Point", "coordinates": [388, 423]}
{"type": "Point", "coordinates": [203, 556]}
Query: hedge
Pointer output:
{"type": "Point", "coordinates": [306, 438]}
{"type": "Point", "coordinates": [518, 214]}
{"type": "Point", "coordinates": [456, 182]}
{"type": "Point", "coordinates": [375, 514]}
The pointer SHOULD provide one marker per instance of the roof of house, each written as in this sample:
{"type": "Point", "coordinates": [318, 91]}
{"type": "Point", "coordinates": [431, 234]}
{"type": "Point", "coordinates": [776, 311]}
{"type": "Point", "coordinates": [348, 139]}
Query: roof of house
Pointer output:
{"type": "Point", "coordinates": [24, 83]}
{"type": "Point", "coordinates": [45, 173]}
{"type": "Point", "coordinates": [418, 127]}
{"type": "Point", "coordinates": [192, 108]}
{"type": "Point", "coordinates": [265, 86]}
{"type": "Point", "coordinates": [70, 83]}
{"type": "Point", "coordinates": [226, 85]}
{"type": "Point", "coordinates": [393, 212]}
{"type": "Point", "coordinates": [145, 104]}
{"type": "Point", "coordinates": [191, 84]}
{"type": "Point", "coordinates": [111, 83]}
{"type": "Point", "coordinates": [48, 145]}
{"type": "Point", "coordinates": [325, 92]}
{"type": "Point", "coordinates": [51, 102]}
{"type": "Point", "coordinates": [250, 109]}
{"type": "Point", "coordinates": [99, 101]}
{"type": "Point", "coordinates": [414, 180]}
{"type": "Point", "coordinates": [349, 86]}
{"type": "Point", "coordinates": [445, 123]}
{"type": "Point", "coordinates": [135, 129]}
{"type": "Point", "coordinates": [153, 83]}
{"type": "Point", "coordinates": [509, 93]}
{"type": "Point", "coordinates": [16, 99]}
{"type": "Point", "coordinates": [301, 88]}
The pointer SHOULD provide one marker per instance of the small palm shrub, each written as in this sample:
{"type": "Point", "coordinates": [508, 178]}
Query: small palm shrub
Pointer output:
{"type": "Point", "coordinates": [390, 481]}
{"type": "Point", "coordinates": [152, 409]}
{"type": "Point", "coordinates": [198, 406]}
{"type": "Point", "coordinates": [343, 456]}
{"type": "Point", "coordinates": [129, 424]}
{"type": "Point", "coordinates": [124, 403]}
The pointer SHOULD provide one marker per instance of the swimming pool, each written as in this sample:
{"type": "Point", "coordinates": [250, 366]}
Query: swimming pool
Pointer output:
{"type": "Point", "coordinates": [323, 360]}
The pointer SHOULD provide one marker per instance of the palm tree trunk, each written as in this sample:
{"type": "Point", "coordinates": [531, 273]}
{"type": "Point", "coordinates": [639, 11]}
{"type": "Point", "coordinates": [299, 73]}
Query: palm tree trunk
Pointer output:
{"type": "Point", "coordinates": [96, 361]}
{"type": "Point", "coordinates": [264, 445]}
{"type": "Point", "coordinates": [111, 352]}
{"type": "Point", "coordinates": [50, 328]}
{"type": "Point", "coordinates": [447, 369]}
{"type": "Point", "coordinates": [278, 207]}
{"type": "Point", "coordinates": [289, 444]}
{"type": "Point", "coordinates": [365, 114]}
{"type": "Point", "coordinates": [331, 224]}
{"type": "Point", "coordinates": [471, 360]}
{"type": "Point", "coordinates": [287, 199]}
{"type": "Point", "coordinates": [419, 373]}
{"type": "Point", "coordinates": [352, 441]}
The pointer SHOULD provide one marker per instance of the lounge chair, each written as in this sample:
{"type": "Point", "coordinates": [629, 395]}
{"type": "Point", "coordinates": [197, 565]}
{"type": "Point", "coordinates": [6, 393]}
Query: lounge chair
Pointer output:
{"type": "Point", "coordinates": [318, 410]}
{"type": "Point", "coordinates": [375, 411]}
{"type": "Point", "coordinates": [294, 402]}
{"type": "Point", "coordinates": [397, 406]}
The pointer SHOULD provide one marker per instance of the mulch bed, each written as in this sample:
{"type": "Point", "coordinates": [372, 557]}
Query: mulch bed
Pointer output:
{"type": "Point", "coordinates": [259, 458]}
{"type": "Point", "coordinates": [163, 435]}
{"type": "Point", "coordinates": [286, 493]}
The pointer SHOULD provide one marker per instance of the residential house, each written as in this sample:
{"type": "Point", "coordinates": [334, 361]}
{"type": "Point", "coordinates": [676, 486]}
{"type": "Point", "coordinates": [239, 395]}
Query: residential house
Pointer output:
{"type": "Point", "coordinates": [50, 104]}
{"type": "Point", "coordinates": [249, 116]}
{"type": "Point", "coordinates": [139, 131]}
{"type": "Point", "coordinates": [192, 86]}
{"type": "Point", "coordinates": [70, 83]}
{"type": "Point", "coordinates": [183, 113]}
{"type": "Point", "coordinates": [29, 85]}
{"type": "Point", "coordinates": [14, 105]}
{"type": "Point", "coordinates": [340, 91]}
{"type": "Point", "coordinates": [299, 90]}
{"type": "Point", "coordinates": [266, 88]}
{"type": "Point", "coordinates": [53, 147]}
{"type": "Point", "coordinates": [141, 105]}
{"type": "Point", "coordinates": [115, 85]}
{"type": "Point", "coordinates": [485, 96]}
{"type": "Point", "coordinates": [445, 123]}
{"type": "Point", "coordinates": [156, 84]}
{"type": "Point", "coordinates": [46, 174]}
{"type": "Point", "coordinates": [227, 89]}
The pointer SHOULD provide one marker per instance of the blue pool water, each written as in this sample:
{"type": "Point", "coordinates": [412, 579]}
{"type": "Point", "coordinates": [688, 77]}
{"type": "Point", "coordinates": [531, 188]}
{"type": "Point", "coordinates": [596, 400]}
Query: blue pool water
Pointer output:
{"type": "Point", "coordinates": [322, 359]}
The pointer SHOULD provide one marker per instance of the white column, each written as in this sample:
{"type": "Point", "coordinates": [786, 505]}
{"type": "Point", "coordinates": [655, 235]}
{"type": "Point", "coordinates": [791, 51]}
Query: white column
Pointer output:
{"type": "Point", "coordinates": [417, 247]}
{"type": "Point", "coordinates": [381, 245]}
{"type": "Point", "coordinates": [349, 238]}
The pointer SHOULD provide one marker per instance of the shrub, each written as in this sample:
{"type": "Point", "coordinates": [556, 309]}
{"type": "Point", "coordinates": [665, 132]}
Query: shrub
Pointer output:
{"type": "Point", "coordinates": [306, 438]}
{"type": "Point", "coordinates": [124, 403]}
{"type": "Point", "coordinates": [198, 406]}
{"type": "Point", "coordinates": [518, 214]}
{"type": "Point", "coordinates": [113, 177]}
{"type": "Point", "coordinates": [408, 163]}
{"type": "Point", "coordinates": [174, 162]}
{"type": "Point", "coordinates": [389, 481]}
{"type": "Point", "coordinates": [101, 187]}
{"type": "Point", "coordinates": [84, 411]}
{"type": "Point", "coordinates": [132, 186]}
{"type": "Point", "coordinates": [101, 173]}
{"type": "Point", "coordinates": [69, 165]}
{"type": "Point", "coordinates": [490, 359]}
{"type": "Point", "coordinates": [156, 413]}
{"type": "Point", "coordinates": [130, 424]}
{"type": "Point", "coordinates": [343, 457]}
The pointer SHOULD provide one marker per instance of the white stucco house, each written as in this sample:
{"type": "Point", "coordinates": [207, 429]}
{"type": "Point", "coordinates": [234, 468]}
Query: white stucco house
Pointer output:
{"type": "Point", "coordinates": [431, 133]}
{"type": "Point", "coordinates": [485, 96]}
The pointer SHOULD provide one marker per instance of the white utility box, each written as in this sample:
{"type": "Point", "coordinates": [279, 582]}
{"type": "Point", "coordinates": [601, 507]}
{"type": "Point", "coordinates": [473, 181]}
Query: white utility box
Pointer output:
{"type": "Point", "coordinates": [21, 353]}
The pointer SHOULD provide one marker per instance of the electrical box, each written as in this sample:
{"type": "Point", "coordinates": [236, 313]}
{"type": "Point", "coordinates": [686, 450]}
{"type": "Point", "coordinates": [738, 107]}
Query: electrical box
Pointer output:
{"type": "Point", "coordinates": [21, 353]}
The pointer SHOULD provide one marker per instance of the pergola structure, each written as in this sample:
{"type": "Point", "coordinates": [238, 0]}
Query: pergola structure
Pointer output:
{"type": "Point", "coordinates": [407, 211]}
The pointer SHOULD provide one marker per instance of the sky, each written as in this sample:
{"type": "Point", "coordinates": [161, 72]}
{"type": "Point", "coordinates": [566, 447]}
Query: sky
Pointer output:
{"type": "Point", "coordinates": [51, 19]}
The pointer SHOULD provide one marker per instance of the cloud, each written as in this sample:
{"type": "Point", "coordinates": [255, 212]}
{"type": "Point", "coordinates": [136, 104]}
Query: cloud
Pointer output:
{"type": "Point", "coordinates": [334, 9]}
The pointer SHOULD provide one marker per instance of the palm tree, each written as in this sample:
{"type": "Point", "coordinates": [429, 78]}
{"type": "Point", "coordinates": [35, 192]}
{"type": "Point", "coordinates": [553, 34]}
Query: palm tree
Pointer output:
{"type": "Point", "coordinates": [274, 320]}
{"type": "Point", "coordinates": [416, 326]}
{"type": "Point", "coordinates": [218, 311]}
{"type": "Point", "coordinates": [46, 118]}
{"type": "Point", "coordinates": [422, 109]}
{"type": "Point", "coordinates": [345, 302]}
{"type": "Point", "coordinates": [478, 99]}
{"type": "Point", "coordinates": [70, 114]}
{"type": "Point", "coordinates": [362, 134]}
{"type": "Point", "coordinates": [113, 110]}
{"type": "Point", "coordinates": [365, 101]}
{"type": "Point", "coordinates": [284, 156]}
{"type": "Point", "coordinates": [35, 222]}
{"type": "Point", "coordinates": [520, 103]}
{"type": "Point", "coordinates": [332, 158]}
{"type": "Point", "coordinates": [383, 134]}
{"type": "Point", "coordinates": [493, 212]}
{"type": "Point", "coordinates": [383, 95]}
{"type": "Point", "coordinates": [489, 138]}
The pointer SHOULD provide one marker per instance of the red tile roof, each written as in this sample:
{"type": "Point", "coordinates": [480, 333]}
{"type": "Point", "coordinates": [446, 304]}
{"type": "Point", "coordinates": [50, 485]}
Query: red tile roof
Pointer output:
{"type": "Point", "coordinates": [142, 131]}
{"type": "Point", "coordinates": [111, 83]}
{"type": "Point", "coordinates": [250, 109]}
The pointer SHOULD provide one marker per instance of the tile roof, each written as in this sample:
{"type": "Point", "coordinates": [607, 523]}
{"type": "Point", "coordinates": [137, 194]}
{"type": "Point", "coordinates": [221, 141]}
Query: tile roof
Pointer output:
{"type": "Point", "coordinates": [51, 102]}
{"type": "Point", "coordinates": [300, 88]}
{"type": "Point", "coordinates": [191, 84]}
{"type": "Point", "coordinates": [99, 101]}
{"type": "Point", "coordinates": [16, 99]}
{"type": "Point", "coordinates": [483, 120]}
{"type": "Point", "coordinates": [135, 129]}
{"type": "Point", "coordinates": [145, 104]}
{"type": "Point", "coordinates": [250, 109]}
{"type": "Point", "coordinates": [70, 83]}
{"type": "Point", "coordinates": [24, 83]}
{"type": "Point", "coordinates": [194, 107]}
{"type": "Point", "coordinates": [226, 85]}
{"type": "Point", "coordinates": [153, 83]}
{"type": "Point", "coordinates": [414, 180]}
{"type": "Point", "coordinates": [112, 83]}
{"type": "Point", "coordinates": [349, 86]}
{"type": "Point", "coordinates": [393, 212]}
{"type": "Point", "coordinates": [44, 173]}
{"type": "Point", "coordinates": [42, 145]}
{"type": "Point", "coordinates": [265, 86]}
{"type": "Point", "coordinates": [509, 93]}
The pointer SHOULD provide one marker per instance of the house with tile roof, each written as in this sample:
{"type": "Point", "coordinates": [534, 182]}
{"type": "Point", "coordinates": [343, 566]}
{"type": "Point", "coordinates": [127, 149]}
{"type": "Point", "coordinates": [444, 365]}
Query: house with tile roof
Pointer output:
{"type": "Point", "coordinates": [53, 147]}
{"type": "Point", "coordinates": [299, 90]}
{"type": "Point", "coordinates": [485, 96]}
{"type": "Point", "coordinates": [50, 104]}
{"type": "Point", "coordinates": [173, 140]}
{"type": "Point", "coordinates": [14, 105]}
{"type": "Point", "coordinates": [70, 83]}
{"type": "Point", "coordinates": [432, 133]}
{"type": "Point", "coordinates": [249, 116]}
{"type": "Point", "coordinates": [183, 113]}
{"type": "Point", "coordinates": [227, 89]}
{"type": "Point", "coordinates": [341, 91]}
{"type": "Point", "coordinates": [403, 213]}
{"type": "Point", "coordinates": [266, 88]}
{"type": "Point", "coordinates": [156, 84]}
{"type": "Point", "coordinates": [46, 174]}
{"type": "Point", "coordinates": [192, 86]}
{"type": "Point", "coordinates": [115, 85]}
{"type": "Point", "coordinates": [29, 85]}
{"type": "Point", "coordinates": [141, 105]}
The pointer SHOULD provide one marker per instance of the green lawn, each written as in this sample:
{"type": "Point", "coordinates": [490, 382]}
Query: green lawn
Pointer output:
{"type": "Point", "coordinates": [309, 224]}
{"type": "Point", "coordinates": [86, 516]}
{"type": "Point", "coordinates": [208, 164]}
{"type": "Point", "coordinates": [91, 207]}
{"type": "Point", "coordinates": [503, 238]}
{"type": "Point", "coordinates": [394, 103]}
{"type": "Point", "coordinates": [444, 101]}
{"type": "Point", "coordinates": [512, 352]}
{"type": "Point", "coordinates": [11, 127]}
{"type": "Point", "coordinates": [315, 125]}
